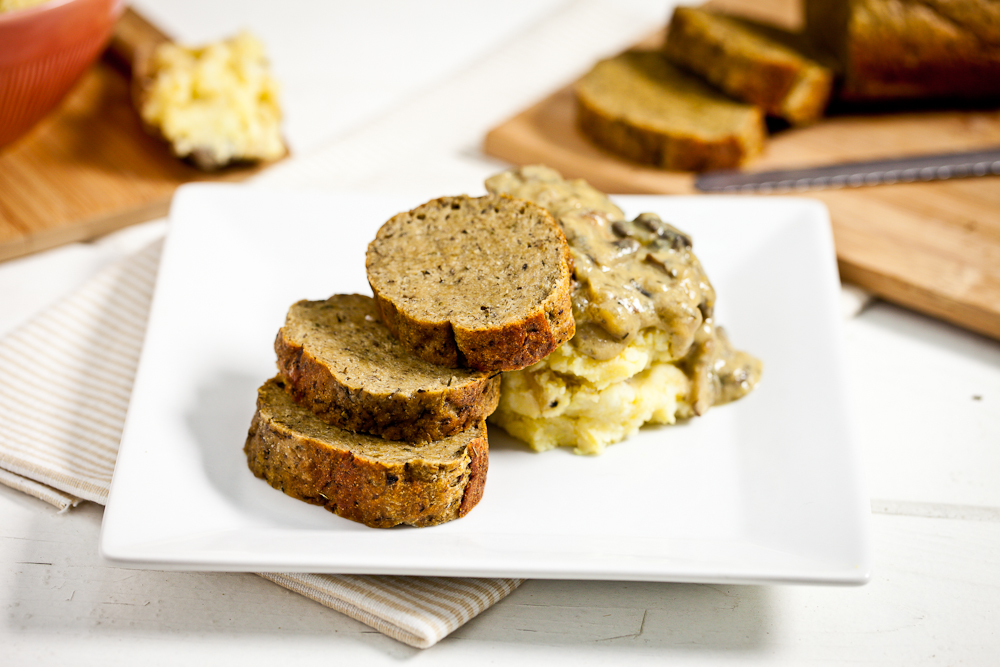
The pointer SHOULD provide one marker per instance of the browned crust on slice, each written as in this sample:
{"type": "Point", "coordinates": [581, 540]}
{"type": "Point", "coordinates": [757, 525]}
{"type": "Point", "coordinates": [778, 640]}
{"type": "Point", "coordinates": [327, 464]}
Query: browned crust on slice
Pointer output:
{"type": "Point", "coordinates": [504, 346]}
{"type": "Point", "coordinates": [756, 63]}
{"type": "Point", "coordinates": [522, 343]}
{"type": "Point", "coordinates": [351, 474]}
{"type": "Point", "coordinates": [446, 403]}
{"type": "Point", "coordinates": [513, 347]}
{"type": "Point", "coordinates": [433, 341]}
{"type": "Point", "coordinates": [673, 152]}
{"type": "Point", "coordinates": [479, 455]}
{"type": "Point", "coordinates": [658, 138]}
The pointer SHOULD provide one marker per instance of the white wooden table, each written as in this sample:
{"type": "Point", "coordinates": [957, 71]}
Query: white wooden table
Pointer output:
{"type": "Point", "coordinates": [927, 397]}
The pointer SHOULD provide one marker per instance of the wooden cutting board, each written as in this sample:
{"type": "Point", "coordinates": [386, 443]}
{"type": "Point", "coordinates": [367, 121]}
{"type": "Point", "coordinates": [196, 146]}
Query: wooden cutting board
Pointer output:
{"type": "Point", "coordinates": [89, 168]}
{"type": "Point", "coordinates": [933, 247]}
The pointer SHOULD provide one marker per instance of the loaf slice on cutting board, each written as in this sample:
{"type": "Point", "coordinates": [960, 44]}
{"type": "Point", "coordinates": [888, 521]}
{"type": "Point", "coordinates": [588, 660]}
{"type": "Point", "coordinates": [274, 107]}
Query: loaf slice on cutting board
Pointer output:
{"type": "Point", "coordinates": [340, 361]}
{"type": "Point", "coordinates": [640, 106]}
{"type": "Point", "coordinates": [756, 63]}
{"type": "Point", "coordinates": [380, 483]}
{"type": "Point", "coordinates": [476, 282]}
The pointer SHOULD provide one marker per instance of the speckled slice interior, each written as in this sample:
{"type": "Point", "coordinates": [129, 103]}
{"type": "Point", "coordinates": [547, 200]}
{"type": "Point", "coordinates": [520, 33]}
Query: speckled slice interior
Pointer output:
{"type": "Point", "coordinates": [757, 63]}
{"type": "Point", "coordinates": [364, 478]}
{"type": "Point", "coordinates": [342, 362]}
{"type": "Point", "coordinates": [646, 89]}
{"type": "Point", "coordinates": [457, 267]}
{"type": "Point", "coordinates": [473, 261]}
{"type": "Point", "coordinates": [644, 108]}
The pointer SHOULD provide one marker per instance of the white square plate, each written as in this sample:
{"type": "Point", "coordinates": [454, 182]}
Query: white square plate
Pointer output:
{"type": "Point", "coordinates": [768, 489]}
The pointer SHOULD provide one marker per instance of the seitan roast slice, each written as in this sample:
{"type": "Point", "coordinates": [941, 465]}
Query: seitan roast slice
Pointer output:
{"type": "Point", "coordinates": [379, 483]}
{"type": "Point", "coordinates": [756, 63]}
{"type": "Point", "coordinates": [341, 362]}
{"type": "Point", "coordinates": [481, 283]}
{"type": "Point", "coordinates": [641, 107]}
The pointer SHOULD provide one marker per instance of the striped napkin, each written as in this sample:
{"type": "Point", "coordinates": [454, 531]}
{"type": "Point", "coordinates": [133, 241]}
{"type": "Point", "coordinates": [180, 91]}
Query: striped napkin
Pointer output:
{"type": "Point", "coordinates": [65, 381]}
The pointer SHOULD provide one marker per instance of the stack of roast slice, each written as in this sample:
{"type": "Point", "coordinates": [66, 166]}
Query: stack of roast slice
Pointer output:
{"type": "Point", "coordinates": [699, 102]}
{"type": "Point", "coordinates": [378, 409]}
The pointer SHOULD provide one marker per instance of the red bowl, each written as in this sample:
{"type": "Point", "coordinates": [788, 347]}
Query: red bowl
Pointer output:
{"type": "Point", "coordinates": [43, 51]}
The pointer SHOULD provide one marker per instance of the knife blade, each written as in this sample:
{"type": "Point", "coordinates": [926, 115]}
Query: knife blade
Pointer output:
{"type": "Point", "coordinates": [855, 174]}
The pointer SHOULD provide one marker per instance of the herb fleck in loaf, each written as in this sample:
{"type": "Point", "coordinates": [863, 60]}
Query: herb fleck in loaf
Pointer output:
{"type": "Point", "coordinates": [482, 283]}
{"type": "Point", "coordinates": [756, 63]}
{"type": "Point", "coordinates": [377, 482]}
{"type": "Point", "coordinates": [341, 362]}
{"type": "Point", "coordinates": [640, 106]}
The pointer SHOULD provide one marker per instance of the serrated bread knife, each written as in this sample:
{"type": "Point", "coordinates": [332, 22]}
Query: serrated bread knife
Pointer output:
{"type": "Point", "coordinates": [855, 174]}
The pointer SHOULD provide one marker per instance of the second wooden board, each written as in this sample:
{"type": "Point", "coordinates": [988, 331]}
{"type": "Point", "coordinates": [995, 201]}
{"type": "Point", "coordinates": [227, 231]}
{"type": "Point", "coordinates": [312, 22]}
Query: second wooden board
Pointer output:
{"type": "Point", "coordinates": [89, 167]}
{"type": "Point", "coordinates": [933, 247]}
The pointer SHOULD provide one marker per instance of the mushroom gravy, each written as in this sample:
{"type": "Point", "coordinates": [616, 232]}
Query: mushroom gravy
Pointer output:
{"type": "Point", "coordinates": [635, 274]}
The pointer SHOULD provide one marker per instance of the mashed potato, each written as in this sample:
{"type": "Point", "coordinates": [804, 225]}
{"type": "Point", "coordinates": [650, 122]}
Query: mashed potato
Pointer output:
{"type": "Point", "coordinates": [216, 104]}
{"type": "Point", "coordinates": [571, 399]}
{"type": "Point", "coordinates": [646, 348]}
{"type": "Point", "coordinates": [11, 5]}
{"type": "Point", "coordinates": [650, 346]}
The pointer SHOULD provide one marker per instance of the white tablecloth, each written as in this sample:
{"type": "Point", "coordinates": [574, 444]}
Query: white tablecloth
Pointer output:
{"type": "Point", "coordinates": [391, 96]}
